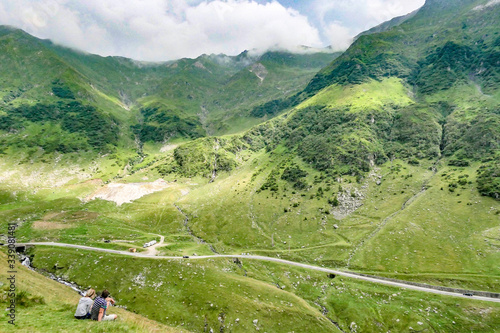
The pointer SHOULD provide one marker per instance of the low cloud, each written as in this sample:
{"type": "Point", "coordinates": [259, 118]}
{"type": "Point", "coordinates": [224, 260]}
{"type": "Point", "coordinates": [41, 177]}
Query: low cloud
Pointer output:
{"type": "Point", "coordinates": [158, 30]}
{"type": "Point", "coordinates": [339, 36]}
{"type": "Point", "coordinates": [341, 20]}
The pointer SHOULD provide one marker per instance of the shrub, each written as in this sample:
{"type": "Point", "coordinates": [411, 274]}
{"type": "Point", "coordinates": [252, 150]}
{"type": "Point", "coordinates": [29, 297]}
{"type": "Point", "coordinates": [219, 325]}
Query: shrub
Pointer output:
{"type": "Point", "coordinates": [488, 180]}
{"type": "Point", "coordinates": [334, 201]}
{"type": "Point", "coordinates": [459, 163]}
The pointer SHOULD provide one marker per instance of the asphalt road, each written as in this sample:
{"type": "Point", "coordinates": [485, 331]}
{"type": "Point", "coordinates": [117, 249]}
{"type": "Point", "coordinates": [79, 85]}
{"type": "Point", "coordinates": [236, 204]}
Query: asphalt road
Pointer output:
{"type": "Point", "coordinates": [281, 261]}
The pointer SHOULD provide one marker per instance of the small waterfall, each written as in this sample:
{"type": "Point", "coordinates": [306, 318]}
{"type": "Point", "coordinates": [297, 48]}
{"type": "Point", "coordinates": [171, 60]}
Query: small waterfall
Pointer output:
{"type": "Point", "coordinates": [25, 261]}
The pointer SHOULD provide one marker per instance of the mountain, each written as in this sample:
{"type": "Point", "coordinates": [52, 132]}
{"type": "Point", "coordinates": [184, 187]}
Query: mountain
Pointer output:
{"type": "Point", "coordinates": [436, 99]}
{"type": "Point", "coordinates": [49, 88]}
{"type": "Point", "coordinates": [383, 162]}
{"type": "Point", "coordinates": [433, 27]}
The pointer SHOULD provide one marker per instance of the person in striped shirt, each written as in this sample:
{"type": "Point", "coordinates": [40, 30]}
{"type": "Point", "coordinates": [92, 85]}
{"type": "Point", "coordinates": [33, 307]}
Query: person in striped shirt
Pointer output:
{"type": "Point", "coordinates": [101, 303]}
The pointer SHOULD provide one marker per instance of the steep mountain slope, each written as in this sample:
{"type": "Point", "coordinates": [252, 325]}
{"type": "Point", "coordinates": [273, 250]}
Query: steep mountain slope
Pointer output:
{"type": "Point", "coordinates": [50, 106]}
{"type": "Point", "coordinates": [398, 125]}
{"type": "Point", "coordinates": [219, 91]}
{"type": "Point", "coordinates": [466, 24]}
{"type": "Point", "coordinates": [424, 89]}
{"type": "Point", "coordinates": [156, 102]}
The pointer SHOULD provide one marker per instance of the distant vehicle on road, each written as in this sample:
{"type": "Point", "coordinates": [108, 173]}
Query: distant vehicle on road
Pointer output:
{"type": "Point", "coordinates": [185, 256]}
{"type": "Point", "coordinates": [148, 244]}
{"type": "Point", "coordinates": [468, 294]}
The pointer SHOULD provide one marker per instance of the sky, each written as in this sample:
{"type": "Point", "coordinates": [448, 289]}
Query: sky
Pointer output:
{"type": "Point", "coordinates": [160, 30]}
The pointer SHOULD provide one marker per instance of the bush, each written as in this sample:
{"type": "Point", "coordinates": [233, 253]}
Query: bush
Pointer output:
{"type": "Point", "coordinates": [63, 92]}
{"type": "Point", "coordinates": [24, 299]}
{"type": "Point", "coordinates": [414, 161]}
{"type": "Point", "coordinates": [488, 180]}
{"type": "Point", "coordinates": [293, 174]}
{"type": "Point", "coordinates": [334, 201]}
{"type": "Point", "coordinates": [443, 67]}
{"type": "Point", "coordinates": [200, 157]}
{"type": "Point", "coordinates": [300, 185]}
{"type": "Point", "coordinates": [62, 127]}
{"type": "Point", "coordinates": [459, 163]}
{"type": "Point", "coordinates": [161, 123]}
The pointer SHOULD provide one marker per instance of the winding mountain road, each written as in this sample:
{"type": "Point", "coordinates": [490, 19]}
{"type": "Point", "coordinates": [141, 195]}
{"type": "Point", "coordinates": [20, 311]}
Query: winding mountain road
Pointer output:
{"type": "Point", "coordinates": [374, 279]}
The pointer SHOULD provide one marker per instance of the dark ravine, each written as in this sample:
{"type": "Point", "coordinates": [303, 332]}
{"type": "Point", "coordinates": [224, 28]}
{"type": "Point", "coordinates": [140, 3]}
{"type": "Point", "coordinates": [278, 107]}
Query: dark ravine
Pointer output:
{"type": "Point", "coordinates": [214, 170]}
{"type": "Point", "coordinates": [26, 262]}
{"type": "Point", "coordinates": [190, 232]}
{"type": "Point", "coordinates": [324, 312]}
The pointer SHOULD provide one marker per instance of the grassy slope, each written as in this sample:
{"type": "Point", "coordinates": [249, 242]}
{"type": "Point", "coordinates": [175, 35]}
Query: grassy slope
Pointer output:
{"type": "Point", "coordinates": [278, 297]}
{"type": "Point", "coordinates": [207, 95]}
{"type": "Point", "coordinates": [192, 295]}
{"type": "Point", "coordinates": [372, 94]}
{"type": "Point", "coordinates": [49, 307]}
{"type": "Point", "coordinates": [226, 220]}
{"type": "Point", "coordinates": [235, 216]}
{"type": "Point", "coordinates": [231, 214]}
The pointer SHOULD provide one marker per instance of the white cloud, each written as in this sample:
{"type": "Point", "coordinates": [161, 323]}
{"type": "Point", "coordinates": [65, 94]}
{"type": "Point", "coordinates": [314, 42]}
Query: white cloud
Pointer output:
{"type": "Point", "coordinates": [160, 29]}
{"type": "Point", "coordinates": [340, 20]}
{"type": "Point", "coordinates": [170, 29]}
{"type": "Point", "coordinates": [339, 37]}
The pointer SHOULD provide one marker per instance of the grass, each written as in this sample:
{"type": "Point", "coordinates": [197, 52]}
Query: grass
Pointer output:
{"type": "Point", "coordinates": [414, 218]}
{"type": "Point", "coordinates": [235, 217]}
{"type": "Point", "coordinates": [372, 94]}
{"type": "Point", "coordinates": [48, 306]}
{"type": "Point", "coordinates": [441, 231]}
{"type": "Point", "coordinates": [217, 293]}
{"type": "Point", "coordinates": [377, 308]}
{"type": "Point", "coordinates": [211, 292]}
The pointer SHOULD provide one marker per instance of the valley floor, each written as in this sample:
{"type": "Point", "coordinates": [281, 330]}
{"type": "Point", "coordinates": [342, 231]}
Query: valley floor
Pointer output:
{"type": "Point", "coordinates": [150, 253]}
{"type": "Point", "coordinates": [275, 260]}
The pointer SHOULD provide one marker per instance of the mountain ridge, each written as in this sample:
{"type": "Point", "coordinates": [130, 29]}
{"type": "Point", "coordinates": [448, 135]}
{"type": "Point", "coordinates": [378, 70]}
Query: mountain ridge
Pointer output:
{"type": "Point", "coordinates": [114, 85]}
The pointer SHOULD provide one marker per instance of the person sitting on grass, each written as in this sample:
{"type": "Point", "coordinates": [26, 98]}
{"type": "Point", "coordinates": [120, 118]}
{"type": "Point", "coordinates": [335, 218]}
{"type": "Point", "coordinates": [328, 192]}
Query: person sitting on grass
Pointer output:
{"type": "Point", "coordinates": [101, 303]}
{"type": "Point", "coordinates": [85, 304]}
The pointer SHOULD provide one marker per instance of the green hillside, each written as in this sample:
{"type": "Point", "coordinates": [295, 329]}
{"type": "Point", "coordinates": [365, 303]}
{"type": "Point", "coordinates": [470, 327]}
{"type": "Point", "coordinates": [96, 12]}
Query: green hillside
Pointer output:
{"type": "Point", "coordinates": [157, 102]}
{"type": "Point", "coordinates": [383, 162]}
{"type": "Point", "coordinates": [44, 305]}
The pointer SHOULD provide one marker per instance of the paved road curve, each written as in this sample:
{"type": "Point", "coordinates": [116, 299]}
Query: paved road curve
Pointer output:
{"type": "Point", "coordinates": [281, 261]}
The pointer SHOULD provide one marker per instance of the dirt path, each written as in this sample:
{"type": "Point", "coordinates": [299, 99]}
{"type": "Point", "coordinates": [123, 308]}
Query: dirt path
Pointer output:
{"type": "Point", "coordinates": [151, 251]}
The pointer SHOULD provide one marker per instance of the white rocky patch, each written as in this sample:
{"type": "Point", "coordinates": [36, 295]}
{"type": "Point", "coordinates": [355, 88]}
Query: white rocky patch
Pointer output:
{"type": "Point", "coordinates": [167, 147]}
{"type": "Point", "coordinates": [125, 193]}
{"type": "Point", "coordinates": [140, 280]}
{"type": "Point", "coordinates": [259, 70]}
